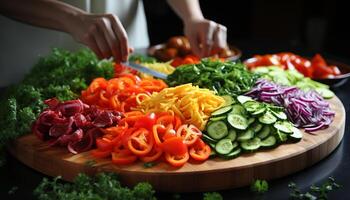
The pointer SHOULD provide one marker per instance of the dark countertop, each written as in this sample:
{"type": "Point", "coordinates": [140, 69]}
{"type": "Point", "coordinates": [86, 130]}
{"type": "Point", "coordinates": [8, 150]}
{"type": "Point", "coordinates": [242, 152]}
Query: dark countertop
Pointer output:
{"type": "Point", "coordinates": [337, 164]}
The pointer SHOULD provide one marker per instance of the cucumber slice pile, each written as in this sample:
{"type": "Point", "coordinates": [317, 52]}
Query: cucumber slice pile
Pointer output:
{"type": "Point", "coordinates": [245, 125]}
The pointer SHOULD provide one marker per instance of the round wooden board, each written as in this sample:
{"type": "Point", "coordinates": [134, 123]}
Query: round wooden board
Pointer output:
{"type": "Point", "coordinates": [214, 174]}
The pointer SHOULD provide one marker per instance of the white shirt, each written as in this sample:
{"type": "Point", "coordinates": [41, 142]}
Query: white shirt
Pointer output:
{"type": "Point", "coordinates": [22, 44]}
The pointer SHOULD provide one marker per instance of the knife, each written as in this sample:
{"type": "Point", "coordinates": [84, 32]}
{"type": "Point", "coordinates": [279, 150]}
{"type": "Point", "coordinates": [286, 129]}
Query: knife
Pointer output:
{"type": "Point", "coordinates": [146, 70]}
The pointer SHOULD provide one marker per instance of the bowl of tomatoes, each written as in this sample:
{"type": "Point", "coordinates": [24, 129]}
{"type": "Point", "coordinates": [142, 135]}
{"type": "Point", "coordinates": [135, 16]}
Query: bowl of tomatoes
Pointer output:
{"type": "Point", "coordinates": [330, 72]}
{"type": "Point", "coordinates": [178, 50]}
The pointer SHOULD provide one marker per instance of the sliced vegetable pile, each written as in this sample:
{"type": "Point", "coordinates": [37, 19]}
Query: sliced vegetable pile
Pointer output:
{"type": "Point", "coordinates": [249, 125]}
{"type": "Point", "coordinates": [149, 137]}
{"type": "Point", "coordinates": [305, 109]}
{"type": "Point", "coordinates": [73, 124]}
{"type": "Point", "coordinates": [293, 78]}
{"type": "Point", "coordinates": [194, 105]}
{"type": "Point", "coordinates": [316, 68]}
{"type": "Point", "coordinates": [122, 93]}
{"type": "Point", "coordinates": [223, 77]}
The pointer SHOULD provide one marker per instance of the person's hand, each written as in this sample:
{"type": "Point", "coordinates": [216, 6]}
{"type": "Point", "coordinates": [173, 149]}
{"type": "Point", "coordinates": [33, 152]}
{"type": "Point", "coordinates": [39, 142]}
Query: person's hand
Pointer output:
{"type": "Point", "coordinates": [205, 36]}
{"type": "Point", "coordinates": [103, 33]}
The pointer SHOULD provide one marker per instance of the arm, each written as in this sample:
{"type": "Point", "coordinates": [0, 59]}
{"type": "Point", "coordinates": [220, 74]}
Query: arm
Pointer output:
{"type": "Point", "coordinates": [104, 34]}
{"type": "Point", "coordinates": [204, 35]}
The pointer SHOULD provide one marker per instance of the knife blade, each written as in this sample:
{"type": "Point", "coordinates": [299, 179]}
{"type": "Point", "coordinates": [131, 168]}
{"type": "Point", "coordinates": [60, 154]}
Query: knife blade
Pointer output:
{"type": "Point", "coordinates": [146, 70]}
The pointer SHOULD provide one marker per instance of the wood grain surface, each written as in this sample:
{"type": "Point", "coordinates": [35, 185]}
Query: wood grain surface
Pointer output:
{"type": "Point", "coordinates": [214, 174]}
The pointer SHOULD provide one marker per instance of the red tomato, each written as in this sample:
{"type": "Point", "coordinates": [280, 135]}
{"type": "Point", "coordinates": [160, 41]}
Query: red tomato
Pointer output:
{"type": "Point", "coordinates": [174, 146]}
{"type": "Point", "coordinates": [321, 70]}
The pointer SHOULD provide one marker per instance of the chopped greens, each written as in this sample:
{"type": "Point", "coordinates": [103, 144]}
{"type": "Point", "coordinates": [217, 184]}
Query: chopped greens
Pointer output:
{"type": "Point", "coordinates": [225, 78]}
{"type": "Point", "coordinates": [103, 186]}
{"type": "Point", "coordinates": [259, 186]}
{"type": "Point", "coordinates": [212, 196]}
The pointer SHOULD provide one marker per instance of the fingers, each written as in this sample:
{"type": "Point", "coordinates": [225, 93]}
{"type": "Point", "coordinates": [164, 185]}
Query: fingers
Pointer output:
{"type": "Point", "coordinates": [220, 37]}
{"type": "Point", "coordinates": [120, 32]}
{"type": "Point", "coordinates": [207, 39]}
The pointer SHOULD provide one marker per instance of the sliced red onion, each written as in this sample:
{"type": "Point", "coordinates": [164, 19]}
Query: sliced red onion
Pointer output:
{"type": "Point", "coordinates": [305, 109]}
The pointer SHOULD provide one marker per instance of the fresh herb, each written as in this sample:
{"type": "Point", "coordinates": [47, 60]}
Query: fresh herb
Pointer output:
{"type": "Point", "coordinates": [103, 186]}
{"type": "Point", "coordinates": [225, 78]}
{"type": "Point", "coordinates": [142, 58]}
{"type": "Point", "coordinates": [62, 74]}
{"type": "Point", "coordinates": [212, 196]}
{"type": "Point", "coordinates": [315, 192]}
{"type": "Point", "coordinates": [259, 186]}
{"type": "Point", "coordinates": [149, 164]}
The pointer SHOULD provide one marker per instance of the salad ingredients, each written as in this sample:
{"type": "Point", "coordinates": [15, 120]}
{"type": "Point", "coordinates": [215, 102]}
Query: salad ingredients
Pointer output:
{"type": "Point", "coordinates": [305, 109]}
{"type": "Point", "coordinates": [73, 124]}
{"type": "Point", "coordinates": [316, 68]}
{"type": "Point", "coordinates": [194, 105]}
{"type": "Point", "coordinates": [164, 68]}
{"type": "Point", "coordinates": [163, 136]}
{"type": "Point", "coordinates": [61, 74]}
{"type": "Point", "coordinates": [223, 77]}
{"type": "Point", "coordinates": [122, 94]}
{"type": "Point", "coordinates": [248, 125]}
{"type": "Point", "coordinates": [259, 186]}
{"type": "Point", "coordinates": [293, 78]}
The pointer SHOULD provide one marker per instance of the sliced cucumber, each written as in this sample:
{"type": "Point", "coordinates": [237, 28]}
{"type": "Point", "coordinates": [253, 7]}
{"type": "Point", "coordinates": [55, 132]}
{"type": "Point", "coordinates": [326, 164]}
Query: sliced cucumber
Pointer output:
{"type": "Point", "coordinates": [251, 145]}
{"type": "Point", "coordinates": [252, 106]}
{"type": "Point", "coordinates": [246, 135]}
{"type": "Point", "coordinates": [237, 121]}
{"type": "Point", "coordinates": [208, 139]}
{"type": "Point", "coordinates": [251, 120]}
{"type": "Point", "coordinates": [217, 130]}
{"type": "Point", "coordinates": [284, 126]}
{"type": "Point", "coordinates": [259, 111]}
{"type": "Point", "coordinates": [221, 111]}
{"type": "Point", "coordinates": [282, 137]}
{"type": "Point", "coordinates": [280, 115]}
{"type": "Point", "coordinates": [224, 146]}
{"type": "Point", "coordinates": [265, 131]}
{"type": "Point", "coordinates": [269, 141]}
{"type": "Point", "coordinates": [325, 93]}
{"type": "Point", "coordinates": [233, 154]}
{"type": "Point", "coordinates": [256, 127]}
{"type": "Point", "coordinates": [232, 135]}
{"type": "Point", "coordinates": [228, 100]}
{"type": "Point", "coordinates": [217, 118]}
{"type": "Point", "coordinates": [242, 99]}
{"type": "Point", "coordinates": [267, 118]}
{"type": "Point", "coordinates": [238, 109]}
{"type": "Point", "coordinates": [212, 145]}
{"type": "Point", "coordinates": [296, 135]}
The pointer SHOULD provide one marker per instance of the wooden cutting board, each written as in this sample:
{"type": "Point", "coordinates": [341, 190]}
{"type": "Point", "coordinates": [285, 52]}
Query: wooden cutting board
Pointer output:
{"type": "Point", "coordinates": [214, 174]}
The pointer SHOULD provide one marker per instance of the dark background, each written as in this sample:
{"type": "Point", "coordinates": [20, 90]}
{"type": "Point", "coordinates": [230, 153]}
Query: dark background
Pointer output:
{"type": "Point", "coordinates": [290, 25]}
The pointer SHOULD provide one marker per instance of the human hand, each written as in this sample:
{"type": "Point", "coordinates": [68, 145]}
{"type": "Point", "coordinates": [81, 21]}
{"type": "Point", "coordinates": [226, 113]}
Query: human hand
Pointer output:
{"type": "Point", "coordinates": [103, 33]}
{"type": "Point", "coordinates": [205, 36]}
